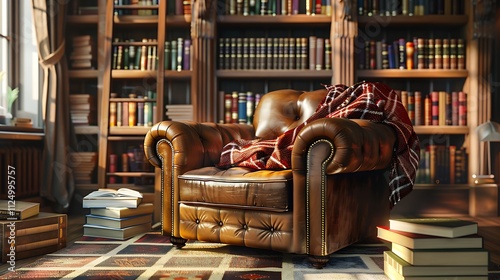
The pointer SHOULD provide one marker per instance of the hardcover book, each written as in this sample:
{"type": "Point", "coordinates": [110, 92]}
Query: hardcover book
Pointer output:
{"type": "Point", "coordinates": [115, 233]}
{"type": "Point", "coordinates": [117, 222]}
{"type": "Point", "coordinates": [444, 227]}
{"type": "Point", "coordinates": [444, 257]}
{"type": "Point", "coordinates": [123, 212]}
{"type": "Point", "coordinates": [397, 265]}
{"type": "Point", "coordinates": [18, 210]}
{"type": "Point", "coordinates": [103, 198]}
{"type": "Point", "coordinates": [422, 241]}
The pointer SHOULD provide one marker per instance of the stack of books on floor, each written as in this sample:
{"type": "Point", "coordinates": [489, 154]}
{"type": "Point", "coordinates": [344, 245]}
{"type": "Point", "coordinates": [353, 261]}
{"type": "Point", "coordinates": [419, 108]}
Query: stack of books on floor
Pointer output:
{"type": "Point", "coordinates": [26, 232]}
{"type": "Point", "coordinates": [437, 248]}
{"type": "Point", "coordinates": [116, 214]}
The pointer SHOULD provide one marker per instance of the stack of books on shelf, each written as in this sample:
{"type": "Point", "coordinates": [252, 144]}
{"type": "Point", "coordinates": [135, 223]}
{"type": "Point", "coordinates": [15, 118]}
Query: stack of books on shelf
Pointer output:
{"type": "Point", "coordinates": [116, 214]}
{"type": "Point", "coordinates": [22, 122]}
{"type": "Point", "coordinates": [179, 112]}
{"type": "Point", "coordinates": [82, 108]}
{"type": "Point", "coordinates": [435, 248]}
{"type": "Point", "coordinates": [84, 166]}
{"type": "Point", "coordinates": [82, 54]}
{"type": "Point", "coordinates": [26, 232]}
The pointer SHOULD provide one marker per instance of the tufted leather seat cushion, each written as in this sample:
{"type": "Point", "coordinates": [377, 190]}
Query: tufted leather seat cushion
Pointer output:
{"type": "Point", "coordinates": [237, 187]}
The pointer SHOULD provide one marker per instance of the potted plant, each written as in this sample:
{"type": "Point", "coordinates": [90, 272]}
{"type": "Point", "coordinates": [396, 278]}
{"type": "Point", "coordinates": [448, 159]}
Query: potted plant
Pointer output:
{"type": "Point", "coordinates": [12, 95]}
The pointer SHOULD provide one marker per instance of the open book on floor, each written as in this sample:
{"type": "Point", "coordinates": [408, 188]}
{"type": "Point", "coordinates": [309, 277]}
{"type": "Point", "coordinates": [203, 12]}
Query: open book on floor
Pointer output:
{"type": "Point", "coordinates": [103, 198]}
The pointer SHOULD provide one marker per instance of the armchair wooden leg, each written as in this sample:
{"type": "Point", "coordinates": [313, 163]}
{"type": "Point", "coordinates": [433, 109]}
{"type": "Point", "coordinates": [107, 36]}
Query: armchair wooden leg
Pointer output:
{"type": "Point", "coordinates": [178, 241]}
{"type": "Point", "coordinates": [318, 261]}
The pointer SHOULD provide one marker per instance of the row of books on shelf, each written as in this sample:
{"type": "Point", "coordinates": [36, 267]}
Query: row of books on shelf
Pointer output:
{"type": "Point", "coordinates": [313, 53]}
{"type": "Point", "coordinates": [132, 160]}
{"type": "Point", "coordinates": [410, 7]}
{"type": "Point", "coordinates": [433, 248]}
{"type": "Point", "coordinates": [83, 109]}
{"type": "Point", "coordinates": [442, 164]}
{"type": "Point", "coordinates": [419, 53]}
{"type": "Point", "coordinates": [141, 7]}
{"type": "Point", "coordinates": [145, 57]}
{"type": "Point", "coordinates": [436, 107]}
{"type": "Point", "coordinates": [178, 54]}
{"type": "Point", "coordinates": [82, 54]}
{"type": "Point", "coordinates": [134, 111]}
{"type": "Point", "coordinates": [26, 232]}
{"type": "Point", "coordinates": [277, 7]}
{"type": "Point", "coordinates": [116, 214]}
{"type": "Point", "coordinates": [25, 162]}
{"type": "Point", "coordinates": [239, 107]}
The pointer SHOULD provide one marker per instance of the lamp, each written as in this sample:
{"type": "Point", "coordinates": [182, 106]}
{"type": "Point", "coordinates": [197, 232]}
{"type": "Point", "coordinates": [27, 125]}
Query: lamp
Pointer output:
{"type": "Point", "coordinates": [488, 132]}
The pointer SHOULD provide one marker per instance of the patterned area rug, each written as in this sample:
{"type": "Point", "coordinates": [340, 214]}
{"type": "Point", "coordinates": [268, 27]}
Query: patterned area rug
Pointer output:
{"type": "Point", "coordinates": [151, 256]}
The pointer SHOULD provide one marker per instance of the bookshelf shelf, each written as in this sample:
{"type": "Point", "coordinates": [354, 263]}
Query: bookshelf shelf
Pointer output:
{"type": "Point", "coordinates": [82, 74]}
{"type": "Point", "coordinates": [86, 129]}
{"type": "Point", "coordinates": [136, 7]}
{"type": "Point", "coordinates": [138, 100]}
{"type": "Point", "coordinates": [133, 74]}
{"type": "Point", "coordinates": [252, 74]}
{"type": "Point", "coordinates": [128, 130]}
{"type": "Point", "coordinates": [183, 74]}
{"type": "Point", "coordinates": [131, 174]}
{"type": "Point", "coordinates": [83, 19]}
{"type": "Point", "coordinates": [178, 21]}
{"type": "Point", "coordinates": [274, 20]}
{"type": "Point", "coordinates": [136, 20]}
{"type": "Point", "coordinates": [425, 20]}
{"type": "Point", "coordinates": [413, 74]}
{"type": "Point", "coordinates": [440, 129]}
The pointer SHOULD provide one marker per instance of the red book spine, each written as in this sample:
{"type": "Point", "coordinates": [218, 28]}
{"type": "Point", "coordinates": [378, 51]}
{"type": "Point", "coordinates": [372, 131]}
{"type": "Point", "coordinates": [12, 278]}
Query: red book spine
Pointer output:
{"type": "Point", "coordinates": [435, 107]}
{"type": "Point", "coordinates": [234, 107]}
{"type": "Point", "coordinates": [462, 108]}
{"type": "Point", "coordinates": [113, 158]}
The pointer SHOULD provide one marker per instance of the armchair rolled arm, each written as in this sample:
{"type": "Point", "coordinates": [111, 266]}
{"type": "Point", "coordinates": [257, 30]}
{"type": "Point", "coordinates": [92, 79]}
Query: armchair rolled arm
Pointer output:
{"type": "Point", "coordinates": [358, 145]}
{"type": "Point", "coordinates": [200, 142]}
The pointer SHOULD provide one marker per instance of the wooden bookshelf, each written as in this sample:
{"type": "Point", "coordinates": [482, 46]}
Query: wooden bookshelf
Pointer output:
{"type": "Point", "coordinates": [201, 86]}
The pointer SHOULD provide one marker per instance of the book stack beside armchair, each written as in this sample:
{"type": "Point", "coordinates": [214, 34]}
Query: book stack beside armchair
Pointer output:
{"type": "Point", "coordinates": [437, 248]}
{"type": "Point", "coordinates": [116, 214]}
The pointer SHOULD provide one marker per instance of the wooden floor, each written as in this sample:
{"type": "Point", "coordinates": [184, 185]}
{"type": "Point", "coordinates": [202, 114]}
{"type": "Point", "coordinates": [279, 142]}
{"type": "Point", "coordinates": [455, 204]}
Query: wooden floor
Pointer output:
{"type": "Point", "coordinates": [489, 229]}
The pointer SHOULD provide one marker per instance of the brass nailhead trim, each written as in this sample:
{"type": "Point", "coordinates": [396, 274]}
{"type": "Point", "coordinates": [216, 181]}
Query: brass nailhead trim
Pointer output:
{"type": "Point", "coordinates": [323, 188]}
{"type": "Point", "coordinates": [171, 183]}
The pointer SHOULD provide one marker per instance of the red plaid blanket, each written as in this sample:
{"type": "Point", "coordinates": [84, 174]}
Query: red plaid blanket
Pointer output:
{"type": "Point", "coordinates": [373, 101]}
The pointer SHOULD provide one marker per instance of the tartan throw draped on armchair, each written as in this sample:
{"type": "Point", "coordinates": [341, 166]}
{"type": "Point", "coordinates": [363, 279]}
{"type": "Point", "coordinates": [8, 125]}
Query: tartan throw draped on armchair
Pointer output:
{"type": "Point", "coordinates": [372, 101]}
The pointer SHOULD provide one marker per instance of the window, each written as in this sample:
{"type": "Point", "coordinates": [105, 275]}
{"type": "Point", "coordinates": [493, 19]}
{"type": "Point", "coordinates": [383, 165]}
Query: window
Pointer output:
{"type": "Point", "coordinates": [19, 60]}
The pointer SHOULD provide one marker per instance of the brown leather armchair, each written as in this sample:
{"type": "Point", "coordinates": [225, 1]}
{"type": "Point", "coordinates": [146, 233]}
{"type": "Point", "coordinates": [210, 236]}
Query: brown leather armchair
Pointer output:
{"type": "Point", "coordinates": [335, 194]}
